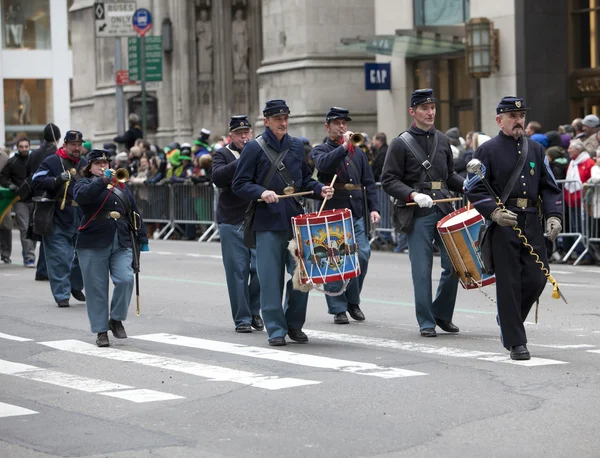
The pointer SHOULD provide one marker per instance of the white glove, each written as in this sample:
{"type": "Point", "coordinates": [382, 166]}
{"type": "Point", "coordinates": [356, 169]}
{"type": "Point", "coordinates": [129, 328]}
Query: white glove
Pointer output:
{"type": "Point", "coordinates": [553, 228]}
{"type": "Point", "coordinates": [423, 200]}
{"type": "Point", "coordinates": [504, 217]}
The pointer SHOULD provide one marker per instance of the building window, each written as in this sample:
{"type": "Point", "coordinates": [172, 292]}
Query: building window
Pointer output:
{"type": "Point", "coordinates": [441, 12]}
{"type": "Point", "coordinates": [27, 107]}
{"type": "Point", "coordinates": [26, 24]}
{"type": "Point", "coordinates": [585, 15]}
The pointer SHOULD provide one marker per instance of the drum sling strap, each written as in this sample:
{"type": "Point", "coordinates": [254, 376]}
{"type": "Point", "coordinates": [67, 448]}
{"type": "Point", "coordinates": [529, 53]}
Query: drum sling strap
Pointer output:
{"type": "Point", "coordinates": [248, 225]}
{"type": "Point", "coordinates": [273, 156]}
{"type": "Point", "coordinates": [420, 155]}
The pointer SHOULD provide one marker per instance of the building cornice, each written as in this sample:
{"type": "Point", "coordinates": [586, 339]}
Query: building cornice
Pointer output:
{"type": "Point", "coordinates": [309, 62]}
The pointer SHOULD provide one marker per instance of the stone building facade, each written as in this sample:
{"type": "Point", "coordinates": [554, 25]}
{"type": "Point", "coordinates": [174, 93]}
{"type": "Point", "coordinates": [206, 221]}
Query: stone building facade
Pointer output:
{"type": "Point", "coordinates": [229, 57]}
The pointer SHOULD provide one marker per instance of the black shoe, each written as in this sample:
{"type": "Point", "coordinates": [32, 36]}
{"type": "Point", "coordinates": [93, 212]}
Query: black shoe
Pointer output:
{"type": "Point", "coordinates": [6, 260]}
{"type": "Point", "coordinates": [64, 303]}
{"type": "Point", "coordinates": [340, 318]}
{"type": "Point", "coordinates": [41, 278]}
{"type": "Point", "coordinates": [78, 295]}
{"type": "Point", "coordinates": [243, 328]}
{"type": "Point", "coordinates": [258, 323]}
{"type": "Point", "coordinates": [277, 341]}
{"type": "Point", "coordinates": [428, 332]}
{"type": "Point", "coordinates": [355, 312]}
{"type": "Point", "coordinates": [447, 326]}
{"type": "Point", "coordinates": [102, 340]}
{"type": "Point", "coordinates": [519, 353]}
{"type": "Point", "coordinates": [117, 329]}
{"type": "Point", "coordinates": [297, 335]}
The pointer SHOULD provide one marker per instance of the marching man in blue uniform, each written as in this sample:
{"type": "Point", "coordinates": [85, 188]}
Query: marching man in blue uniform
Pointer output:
{"type": "Point", "coordinates": [355, 187]}
{"type": "Point", "coordinates": [111, 235]}
{"type": "Point", "coordinates": [519, 280]}
{"type": "Point", "coordinates": [239, 260]}
{"type": "Point", "coordinates": [272, 222]}
{"type": "Point", "coordinates": [54, 178]}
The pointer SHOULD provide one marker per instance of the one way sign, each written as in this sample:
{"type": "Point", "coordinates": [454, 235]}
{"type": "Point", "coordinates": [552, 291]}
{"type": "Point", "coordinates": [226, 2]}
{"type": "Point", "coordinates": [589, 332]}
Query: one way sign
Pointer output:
{"type": "Point", "coordinates": [113, 19]}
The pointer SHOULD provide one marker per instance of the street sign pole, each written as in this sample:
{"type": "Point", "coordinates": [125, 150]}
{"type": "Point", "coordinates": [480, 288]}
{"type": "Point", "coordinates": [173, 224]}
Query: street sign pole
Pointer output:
{"type": "Point", "coordinates": [143, 75]}
{"type": "Point", "coordinates": [120, 96]}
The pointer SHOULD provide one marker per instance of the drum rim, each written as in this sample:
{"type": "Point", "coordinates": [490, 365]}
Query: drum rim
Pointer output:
{"type": "Point", "coordinates": [333, 215]}
{"type": "Point", "coordinates": [461, 225]}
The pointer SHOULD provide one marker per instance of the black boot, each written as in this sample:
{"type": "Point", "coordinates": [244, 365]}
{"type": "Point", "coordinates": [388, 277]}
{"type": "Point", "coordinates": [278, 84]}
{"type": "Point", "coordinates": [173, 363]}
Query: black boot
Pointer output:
{"type": "Point", "coordinates": [117, 329]}
{"type": "Point", "coordinates": [102, 340]}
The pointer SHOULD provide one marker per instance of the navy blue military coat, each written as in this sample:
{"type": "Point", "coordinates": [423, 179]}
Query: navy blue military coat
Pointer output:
{"type": "Point", "coordinates": [252, 170]}
{"type": "Point", "coordinates": [100, 232]}
{"type": "Point", "coordinates": [231, 207]}
{"type": "Point", "coordinates": [43, 181]}
{"type": "Point", "coordinates": [331, 158]}
{"type": "Point", "coordinates": [499, 156]}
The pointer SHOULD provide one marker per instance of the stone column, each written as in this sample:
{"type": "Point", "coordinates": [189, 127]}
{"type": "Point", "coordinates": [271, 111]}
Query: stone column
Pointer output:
{"type": "Point", "coordinates": [166, 117]}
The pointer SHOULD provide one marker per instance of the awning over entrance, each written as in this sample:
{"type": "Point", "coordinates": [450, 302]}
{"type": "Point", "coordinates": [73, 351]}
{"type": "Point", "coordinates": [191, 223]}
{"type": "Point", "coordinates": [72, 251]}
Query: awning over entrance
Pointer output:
{"type": "Point", "coordinates": [410, 44]}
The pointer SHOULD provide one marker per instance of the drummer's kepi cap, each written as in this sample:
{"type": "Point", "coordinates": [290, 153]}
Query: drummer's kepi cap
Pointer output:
{"type": "Point", "coordinates": [421, 96]}
{"type": "Point", "coordinates": [276, 107]}
{"type": "Point", "coordinates": [511, 103]}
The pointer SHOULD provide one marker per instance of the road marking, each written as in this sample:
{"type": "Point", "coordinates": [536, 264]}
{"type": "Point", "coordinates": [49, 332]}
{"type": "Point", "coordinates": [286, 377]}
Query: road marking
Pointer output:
{"type": "Point", "coordinates": [7, 410]}
{"type": "Point", "coordinates": [89, 385]}
{"type": "Point", "coordinates": [15, 338]}
{"type": "Point", "coordinates": [428, 349]}
{"type": "Point", "coordinates": [579, 285]}
{"type": "Point", "coordinates": [562, 347]}
{"type": "Point", "coordinates": [594, 351]}
{"type": "Point", "coordinates": [214, 373]}
{"type": "Point", "coordinates": [283, 356]}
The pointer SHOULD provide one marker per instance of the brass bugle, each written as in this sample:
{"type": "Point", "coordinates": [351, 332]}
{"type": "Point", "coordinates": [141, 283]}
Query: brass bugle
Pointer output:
{"type": "Point", "coordinates": [356, 139]}
{"type": "Point", "coordinates": [122, 175]}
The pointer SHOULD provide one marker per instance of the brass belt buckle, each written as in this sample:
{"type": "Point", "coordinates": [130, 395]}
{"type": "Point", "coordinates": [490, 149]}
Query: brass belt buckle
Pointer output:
{"type": "Point", "coordinates": [436, 185]}
{"type": "Point", "coordinates": [288, 190]}
{"type": "Point", "coordinates": [349, 187]}
{"type": "Point", "coordinates": [114, 215]}
{"type": "Point", "coordinates": [521, 202]}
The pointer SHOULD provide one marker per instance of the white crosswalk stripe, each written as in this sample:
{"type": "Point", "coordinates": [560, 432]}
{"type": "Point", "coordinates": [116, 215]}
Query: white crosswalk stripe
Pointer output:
{"type": "Point", "coordinates": [86, 384]}
{"type": "Point", "coordinates": [215, 373]}
{"type": "Point", "coordinates": [15, 338]}
{"type": "Point", "coordinates": [284, 356]}
{"type": "Point", "coordinates": [429, 349]}
{"type": "Point", "coordinates": [8, 410]}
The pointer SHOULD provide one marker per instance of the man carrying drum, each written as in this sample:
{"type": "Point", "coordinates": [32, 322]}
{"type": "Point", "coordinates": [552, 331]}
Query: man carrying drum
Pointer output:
{"type": "Point", "coordinates": [419, 168]}
{"type": "Point", "coordinates": [355, 187]}
{"type": "Point", "coordinates": [274, 165]}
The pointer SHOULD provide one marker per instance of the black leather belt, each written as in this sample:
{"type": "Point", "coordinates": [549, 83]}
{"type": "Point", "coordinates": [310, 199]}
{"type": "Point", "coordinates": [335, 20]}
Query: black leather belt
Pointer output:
{"type": "Point", "coordinates": [347, 186]}
{"type": "Point", "coordinates": [104, 215]}
{"type": "Point", "coordinates": [431, 185]}
{"type": "Point", "coordinates": [521, 203]}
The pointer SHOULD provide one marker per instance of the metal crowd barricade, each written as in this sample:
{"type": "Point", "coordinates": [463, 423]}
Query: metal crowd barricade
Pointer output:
{"type": "Point", "coordinates": [154, 203]}
{"type": "Point", "coordinates": [386, 205]}
{"type": "Point", "coordinates": [193, 204]}
{"type": "Point", "coordinates": [591, 209]}
{"type": "Point", "coordinates": [573, 218]}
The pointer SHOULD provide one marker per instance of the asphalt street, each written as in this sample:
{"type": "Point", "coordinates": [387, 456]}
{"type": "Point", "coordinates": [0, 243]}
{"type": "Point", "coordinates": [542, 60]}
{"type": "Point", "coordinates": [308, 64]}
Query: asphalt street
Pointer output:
{"type": "Point", "coordinates": [184, 384]}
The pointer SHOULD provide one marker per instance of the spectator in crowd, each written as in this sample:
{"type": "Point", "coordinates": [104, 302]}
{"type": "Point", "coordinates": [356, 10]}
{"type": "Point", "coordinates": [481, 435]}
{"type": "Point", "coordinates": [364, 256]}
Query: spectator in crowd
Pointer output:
{"type": "Point", "coordinates": [540, 138]}
{"type": "Point", "coordinates": [135, 153]}
{"type": "Point", "coordinates": [558, 162]}
{"type": "Point", "coordinates": [533, 127]}
{"type": "Point", "coordinates": [111, 149]}
{"type": "Point", "coordinates": [133, 133]}
{"type": "Point", "coordinates": [87, 147]}
{"type": "Point", "coordinates": [577, 125]}
{"type": "Point", "coordinates": [13, 176]}
{"type": "Point", "coordinates": [6, 222]}
{"type": "Point", "coordinates": [380, 147]}
{"type": "Point", "coordinates": [201, 144]}
{"type": "Point", "coordinates": [591, 125]}
{"type": "Point", "coordinates": [141, 174]}
{"type": "Point", "coordinates": [578, 172]}
{"type": "Point", "coordinates": [121, 161]}
{"type": "Point", "coordinates": [453, 135]}
{"type": "Point", "coordinates": [154, 175]}
{"type": "Point", "coordinates": [593, 201]}
{"type": "Point", "coordinates": [202, 171]}
{"type": "Point", "coordinates": [46, 149]}
{"type": "Point", "coordinates": [181, 167]}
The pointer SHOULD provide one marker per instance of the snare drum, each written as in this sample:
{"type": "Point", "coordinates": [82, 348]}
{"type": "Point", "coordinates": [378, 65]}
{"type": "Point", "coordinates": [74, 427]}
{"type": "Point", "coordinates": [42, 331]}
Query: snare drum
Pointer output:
{"type": "Point", "coordinates": [327, 249]}
{"type": "Point", "coordinates": [459, 231]}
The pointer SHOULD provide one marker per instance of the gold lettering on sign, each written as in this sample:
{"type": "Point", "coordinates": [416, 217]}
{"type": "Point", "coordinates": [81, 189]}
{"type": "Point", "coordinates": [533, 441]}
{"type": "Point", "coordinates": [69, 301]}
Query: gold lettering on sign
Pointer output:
{"type": "Point", "coordinates": [587, 84]}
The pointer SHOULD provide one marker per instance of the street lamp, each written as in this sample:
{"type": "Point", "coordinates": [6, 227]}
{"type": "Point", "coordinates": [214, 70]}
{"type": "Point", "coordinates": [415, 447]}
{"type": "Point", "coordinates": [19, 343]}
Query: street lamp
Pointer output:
{"type": "Point", "coordinates": [481, 47]}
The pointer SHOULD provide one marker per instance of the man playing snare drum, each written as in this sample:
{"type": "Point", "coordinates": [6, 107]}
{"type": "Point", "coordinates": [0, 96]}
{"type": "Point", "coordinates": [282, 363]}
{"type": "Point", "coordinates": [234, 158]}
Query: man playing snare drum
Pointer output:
{"type": "Point", "coordinates": [419, 168]}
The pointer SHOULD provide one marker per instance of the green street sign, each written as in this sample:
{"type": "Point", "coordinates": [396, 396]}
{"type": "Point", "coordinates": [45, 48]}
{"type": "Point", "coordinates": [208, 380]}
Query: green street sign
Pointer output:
{"type": "Point", "coordinates": [153, 57]}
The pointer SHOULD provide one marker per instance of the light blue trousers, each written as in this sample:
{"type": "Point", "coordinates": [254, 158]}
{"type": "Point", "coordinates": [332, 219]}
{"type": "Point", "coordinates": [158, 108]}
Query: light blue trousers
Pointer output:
{"type": "Point", "coordinates": [97, 264]}
{"type": "Point", "coordinates": [272, 260]}
{"type": "Point", "coordinates": [62, 264]}
{"type": "Point", "coordinates": [240, 271]}
{"type": "Point", "coordinates": [339, 304]}
{"type": "Point", "coordinates": [420, 252]}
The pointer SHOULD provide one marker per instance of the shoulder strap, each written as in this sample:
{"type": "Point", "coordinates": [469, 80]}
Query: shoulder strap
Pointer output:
{"type": "Point", "coordinates": [123, 200]}
{"type": "Point", "coordinates": [516, 171]}
{"type": "Point", "coordinates": [354, 167]}
{"type": "Point", "coordinates": [276, 163]}
{"type": "Point", "coordinates": [418, 152]}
